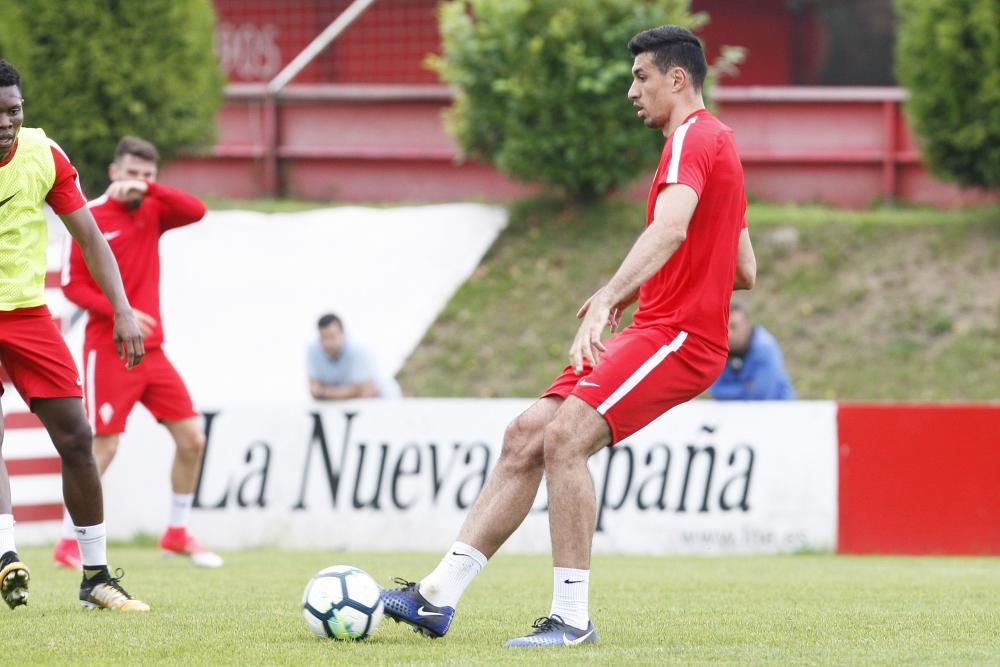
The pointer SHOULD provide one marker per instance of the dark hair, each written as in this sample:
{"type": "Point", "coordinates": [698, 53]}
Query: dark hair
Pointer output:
{"type": "Point", "coordinates": [329, 319]}
{"type": "Point", "coordinates": [137, 147]}
{"type": "Point", "coordinates": [673, 46]}
{"type": "Point", "coordinates": [9, 76]}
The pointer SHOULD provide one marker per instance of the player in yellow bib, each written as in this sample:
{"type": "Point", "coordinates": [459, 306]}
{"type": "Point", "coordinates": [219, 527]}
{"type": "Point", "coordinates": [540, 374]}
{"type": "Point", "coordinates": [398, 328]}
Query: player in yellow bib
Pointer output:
{"type": "Point", "coordinates": [34, 171]}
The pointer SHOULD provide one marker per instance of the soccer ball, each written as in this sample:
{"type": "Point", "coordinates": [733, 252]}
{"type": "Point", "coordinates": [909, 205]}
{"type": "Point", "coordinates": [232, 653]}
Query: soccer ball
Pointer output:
{"type": "Point", "coordinates": [342, 602]}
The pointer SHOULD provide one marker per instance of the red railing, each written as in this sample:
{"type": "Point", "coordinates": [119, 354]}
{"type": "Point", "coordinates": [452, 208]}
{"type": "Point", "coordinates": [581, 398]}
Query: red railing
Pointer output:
{"type": "Point", "coordinates": [843, 146]}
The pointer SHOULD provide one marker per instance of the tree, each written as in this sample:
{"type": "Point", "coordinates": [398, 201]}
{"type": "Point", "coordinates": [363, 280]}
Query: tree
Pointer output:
{"type": "Point", "coordinates": [541, 87]}
{"type": "Point", "coordinates": [948, 57]}
{"type": "Point", "coordinates": [94, 70]}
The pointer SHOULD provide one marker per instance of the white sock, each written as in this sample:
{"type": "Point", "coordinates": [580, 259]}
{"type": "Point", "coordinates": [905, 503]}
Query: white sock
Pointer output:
{"type": "Point", "coordinates": [68, 528]}
{"type": "Point", "coordinates": [570, 588]}
{"type": "Point", "coordinates": [444, 586]}
{"type": "Point", "coordinates": [93, 545]}
{"type": "Point", "coordinates": [7, 533]}
{"type": "Point", "coordinates": [180, 510]}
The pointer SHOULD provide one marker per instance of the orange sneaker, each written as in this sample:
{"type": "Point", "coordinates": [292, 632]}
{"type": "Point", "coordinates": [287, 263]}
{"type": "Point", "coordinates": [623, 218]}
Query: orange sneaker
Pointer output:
{"type": "Point", "coordinates": [67, 554]}
{"type": "Point", "coordinates": [177, 542]}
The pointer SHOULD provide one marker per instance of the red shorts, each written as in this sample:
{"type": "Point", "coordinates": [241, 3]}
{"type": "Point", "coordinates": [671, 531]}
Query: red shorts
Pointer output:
{"type": "Point", "coordinates": [35, 356]}
{"type": "Point", "coordinates": [112, 390]}
{"type": "Point", "coordinates": [644, 372]}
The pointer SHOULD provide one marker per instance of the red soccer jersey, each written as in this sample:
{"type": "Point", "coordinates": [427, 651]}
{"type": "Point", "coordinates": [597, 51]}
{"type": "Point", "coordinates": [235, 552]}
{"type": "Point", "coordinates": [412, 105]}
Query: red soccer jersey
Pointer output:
{"type": "Point", "coordinates": [134, 237]}
{"type": "Point", "coordinates": [692, 290]}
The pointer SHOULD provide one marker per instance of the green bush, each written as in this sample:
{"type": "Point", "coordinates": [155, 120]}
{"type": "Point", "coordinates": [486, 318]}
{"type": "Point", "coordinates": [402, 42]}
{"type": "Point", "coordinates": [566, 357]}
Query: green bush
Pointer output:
{"type": "Point", "coordinates": [94, 70]}
{"type": "Point", "coordinates": [948, 57]}
{"type": "Point", "coordinates": [542, 87]}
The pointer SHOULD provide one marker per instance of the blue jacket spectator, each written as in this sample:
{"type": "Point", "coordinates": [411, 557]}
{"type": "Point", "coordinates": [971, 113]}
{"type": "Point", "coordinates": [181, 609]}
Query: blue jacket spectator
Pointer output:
{"type": "Point", "coordinates": [755, 370]}
{"type": "Point", "coordinates": [340, 369]}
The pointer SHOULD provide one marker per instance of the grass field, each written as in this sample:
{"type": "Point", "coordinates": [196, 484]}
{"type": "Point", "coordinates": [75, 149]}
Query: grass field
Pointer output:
{"type": "Point", "coordinates": [803, 609]}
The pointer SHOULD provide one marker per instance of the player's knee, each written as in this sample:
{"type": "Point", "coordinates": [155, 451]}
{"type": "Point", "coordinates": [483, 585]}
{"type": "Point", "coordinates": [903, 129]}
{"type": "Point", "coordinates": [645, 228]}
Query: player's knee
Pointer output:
{"type": "Point", "coordinates": [192, 445]}
{"type": "Point", "coordinates": [522, 444]}
{"type": "Point", "coordinates": [558, 443]}
{"type": "Point", "coordinates": [75, 445]}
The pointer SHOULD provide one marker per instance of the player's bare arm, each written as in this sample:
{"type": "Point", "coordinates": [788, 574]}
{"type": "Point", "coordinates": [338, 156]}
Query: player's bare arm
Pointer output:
{"type": "Point", "coordinates": [674, 207]}
{"type": "Point", "coordinates": [746, 263]}
{"type": "Point", "coordinates": [102, 265]}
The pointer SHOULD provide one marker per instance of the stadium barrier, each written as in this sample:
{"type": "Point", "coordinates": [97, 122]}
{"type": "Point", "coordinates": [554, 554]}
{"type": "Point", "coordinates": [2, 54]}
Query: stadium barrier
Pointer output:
{"type": "Point", "coordinates": [707, 478]}
{"type": "Point", "coordinates": [385, 475]}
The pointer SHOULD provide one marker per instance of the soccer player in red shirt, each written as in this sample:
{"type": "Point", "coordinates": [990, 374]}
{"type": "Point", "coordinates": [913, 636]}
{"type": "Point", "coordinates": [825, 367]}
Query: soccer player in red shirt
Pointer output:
{"type": "Point", "coordinates": [694, 251]}
{"type": "Point", "coordinates": [133, 214]}
{"type": "Point", "coordinates": [35, 171]}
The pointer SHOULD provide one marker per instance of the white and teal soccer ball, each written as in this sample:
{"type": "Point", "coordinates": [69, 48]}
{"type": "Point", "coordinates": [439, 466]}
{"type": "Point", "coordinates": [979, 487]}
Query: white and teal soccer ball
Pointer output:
{"type": "Point", "coordinates": [342, 602]}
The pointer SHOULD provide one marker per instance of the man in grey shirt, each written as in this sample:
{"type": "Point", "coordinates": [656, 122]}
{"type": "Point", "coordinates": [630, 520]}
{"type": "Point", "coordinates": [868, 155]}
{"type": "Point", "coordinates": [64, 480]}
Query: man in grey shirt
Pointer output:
{"type": "Point", "coordinates": [340, 369]}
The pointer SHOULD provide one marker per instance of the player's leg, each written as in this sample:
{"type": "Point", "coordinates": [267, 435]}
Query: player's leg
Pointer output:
{"type": "Point", "coordinates": [502, 505]}
{"type": "Point", "coordinates": [575, 434]}
{"type": "Point", "coordinates": [110, 393]}
{"type": "Point", "coordinates": [511, 488]}
{"type": "Point", "coordinates": [67, 426]}
{"type": "Point", "coordinates": [14, 575]}
{"type": "Point", "coordinates": [167, 398]}
{"type": "Point", "coordinates": [66, 552]}
{"type": "Point", "coordinates": [189, 441]}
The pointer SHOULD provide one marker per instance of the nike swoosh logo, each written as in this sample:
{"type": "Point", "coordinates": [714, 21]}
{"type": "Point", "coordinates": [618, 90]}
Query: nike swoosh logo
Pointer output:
{"type": "Point", "coordinates": [423, 612]}
{"type": "Point", "coordinates": [114, 234]}
{"type": "Point", "coordinates": [567, 581]}
{"type": "Point", "coordinates": [579, 640]}
{"type": "Point", "coordinates": [588, 383]}
{"type": "Point", "coordinates": [455, 553]}
{"type": "Point", "coordinates": [9, 198]}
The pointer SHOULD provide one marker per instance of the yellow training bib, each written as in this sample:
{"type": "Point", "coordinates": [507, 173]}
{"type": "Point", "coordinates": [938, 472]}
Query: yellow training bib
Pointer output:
{"type": "Point", "coordinates": [25, 182]}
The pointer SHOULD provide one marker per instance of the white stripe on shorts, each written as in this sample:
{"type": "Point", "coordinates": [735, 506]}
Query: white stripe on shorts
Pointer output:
{"type": "Point", "coordinates": [640, 373]}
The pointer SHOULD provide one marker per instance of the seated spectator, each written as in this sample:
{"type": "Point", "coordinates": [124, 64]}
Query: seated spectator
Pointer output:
{"type": "Point", "coordinates": [339, 368]}
{"type": "Point", "coordinates": [755, 369]}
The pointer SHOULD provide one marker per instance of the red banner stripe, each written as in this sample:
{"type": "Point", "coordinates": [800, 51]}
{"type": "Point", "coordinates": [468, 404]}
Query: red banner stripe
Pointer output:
{"type": "Point", "coordinates": [42, 465]}
{"type": "Point", "coordinates": [41, 512]}
{"type": "Point", "coordinates": [21, 420]}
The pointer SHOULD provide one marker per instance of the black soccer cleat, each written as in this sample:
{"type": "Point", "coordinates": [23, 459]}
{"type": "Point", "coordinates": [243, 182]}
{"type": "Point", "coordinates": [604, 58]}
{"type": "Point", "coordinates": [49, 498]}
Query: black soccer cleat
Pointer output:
{"type": "Point", "coordinates": [14, 578]}
{"type": "Point", "coordinates": [102, 591]}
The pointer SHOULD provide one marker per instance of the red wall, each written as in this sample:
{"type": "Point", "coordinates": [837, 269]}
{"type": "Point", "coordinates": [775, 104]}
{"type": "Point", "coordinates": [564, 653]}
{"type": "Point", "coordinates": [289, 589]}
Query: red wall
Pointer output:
{"type": "Point", "coordinates": [386, 44]}
{"type": "Point", "coordinates": [390, 40]}
{"type": "Point", "coordinates": [919, 479]}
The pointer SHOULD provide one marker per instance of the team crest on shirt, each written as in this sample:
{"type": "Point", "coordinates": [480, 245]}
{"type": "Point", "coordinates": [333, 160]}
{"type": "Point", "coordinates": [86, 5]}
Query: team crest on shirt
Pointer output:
{"type": "Point", "coordinates": [106, 412]}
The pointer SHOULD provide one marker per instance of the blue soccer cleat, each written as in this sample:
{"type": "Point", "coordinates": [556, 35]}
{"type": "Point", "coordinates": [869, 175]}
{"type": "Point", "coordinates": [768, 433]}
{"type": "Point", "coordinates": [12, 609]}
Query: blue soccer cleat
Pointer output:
{"type": "Point", "coordinates": [552, 631]}
{"type": "Point", "coordinates": [407, 605]}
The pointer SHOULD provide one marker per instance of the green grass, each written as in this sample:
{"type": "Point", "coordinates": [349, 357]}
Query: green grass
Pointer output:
{"type": "Point", "coordinates": [807, 609]}
{"type": "Point", "coordinates": [884, 304]}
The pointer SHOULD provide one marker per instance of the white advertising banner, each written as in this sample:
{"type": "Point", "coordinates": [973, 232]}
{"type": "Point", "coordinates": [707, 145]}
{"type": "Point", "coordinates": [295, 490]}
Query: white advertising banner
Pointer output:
{"type": "Point", "coordinates": [707, 478]}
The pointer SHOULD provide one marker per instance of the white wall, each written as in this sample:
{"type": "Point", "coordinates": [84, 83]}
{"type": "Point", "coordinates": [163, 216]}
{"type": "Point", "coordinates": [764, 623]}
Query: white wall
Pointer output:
{"type": "Point", "coordinates": [741, 478]}
{"type": "Point", "coordinates": [241, 291]}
